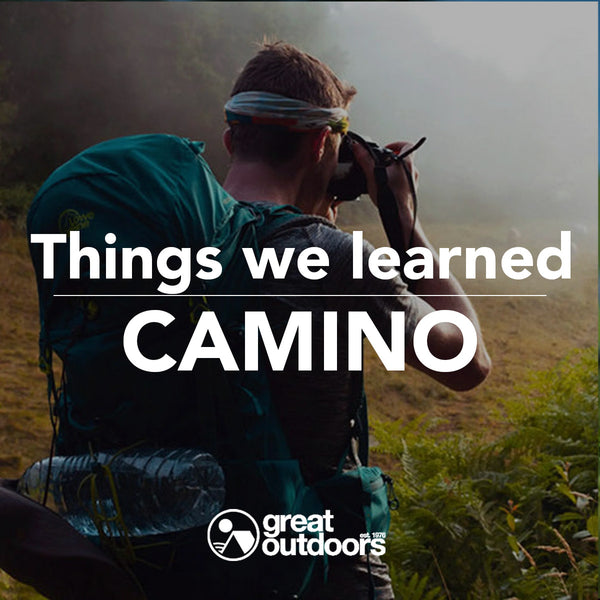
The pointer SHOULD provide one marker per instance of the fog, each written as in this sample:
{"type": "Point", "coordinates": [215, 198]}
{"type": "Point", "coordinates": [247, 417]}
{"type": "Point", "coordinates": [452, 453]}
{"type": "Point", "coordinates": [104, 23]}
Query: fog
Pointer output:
{"type": "Point", "coordinates": [505, 92]}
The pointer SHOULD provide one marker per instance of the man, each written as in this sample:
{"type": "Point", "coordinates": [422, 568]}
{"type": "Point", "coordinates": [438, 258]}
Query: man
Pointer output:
{"type": "Point", "coordinates": [287, 116]}
{"type": "Point", "coordinates": [284, 152]}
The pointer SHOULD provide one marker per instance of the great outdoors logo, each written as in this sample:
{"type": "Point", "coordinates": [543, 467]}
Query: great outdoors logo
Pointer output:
{"type": "Point", "coordinates": [234, 535]}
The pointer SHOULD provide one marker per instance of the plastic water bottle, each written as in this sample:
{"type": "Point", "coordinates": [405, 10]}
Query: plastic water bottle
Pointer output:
{"type": "Point", "coordinates": [158, 491]}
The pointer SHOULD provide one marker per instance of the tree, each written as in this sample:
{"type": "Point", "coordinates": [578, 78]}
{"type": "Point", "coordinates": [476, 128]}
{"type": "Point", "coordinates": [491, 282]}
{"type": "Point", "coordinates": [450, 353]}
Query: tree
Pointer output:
{"type": "Point", "coordinates": [8, 111]}
{"type": "Point", "coordinates": [84, 72]}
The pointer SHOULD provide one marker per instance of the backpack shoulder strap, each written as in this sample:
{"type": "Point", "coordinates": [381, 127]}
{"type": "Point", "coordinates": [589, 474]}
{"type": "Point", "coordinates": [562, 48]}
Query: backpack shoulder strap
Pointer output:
{"type": "Point", "coordinates": [279, 218]}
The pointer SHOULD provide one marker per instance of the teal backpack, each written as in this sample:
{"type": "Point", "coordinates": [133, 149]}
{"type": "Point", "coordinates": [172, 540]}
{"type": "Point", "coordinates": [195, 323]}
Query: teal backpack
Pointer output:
{"type": "Point", "coordinates": [157, 191]}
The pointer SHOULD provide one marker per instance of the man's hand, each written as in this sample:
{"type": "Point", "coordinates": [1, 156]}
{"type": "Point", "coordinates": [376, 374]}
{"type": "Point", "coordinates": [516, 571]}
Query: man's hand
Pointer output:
{"type": "Point", "coordinates": [445, 340]}
{"type": "Point", "coordinates": [397, 179]}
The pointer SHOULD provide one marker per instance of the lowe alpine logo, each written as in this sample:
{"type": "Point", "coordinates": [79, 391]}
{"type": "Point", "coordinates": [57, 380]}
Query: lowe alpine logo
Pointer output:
{"type": "Point", "coordinates": [72, 220]}
{"type": "Point", "coordinates": [234, 535]}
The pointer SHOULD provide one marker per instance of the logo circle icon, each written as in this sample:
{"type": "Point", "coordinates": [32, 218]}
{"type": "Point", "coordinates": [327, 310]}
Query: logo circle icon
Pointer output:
{"type": "Point", "coordinates": [233, 534]}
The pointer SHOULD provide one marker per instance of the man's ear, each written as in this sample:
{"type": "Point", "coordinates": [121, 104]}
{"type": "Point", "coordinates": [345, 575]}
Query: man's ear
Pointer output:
{"type": "Point", "coordinates": [228, 140]}
{"type": "Point", "coordinates": [318, 143]}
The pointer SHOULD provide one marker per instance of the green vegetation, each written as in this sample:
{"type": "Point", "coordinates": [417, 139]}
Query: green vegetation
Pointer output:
{"type": "Point", "coordinates": [91, 67]}
{"type": "Point", "coordinates": [484, 483]}
{"type": "Point", "coordinates": [14, 203]}
{"type": "Point", "coordinates": [497, 497]}
{"type": "Point", "coordinates": [12, 590]}
{"type": "Point", "coordinates": [8, 112]}
{"type": "Point", "coordinates": [515, 517]}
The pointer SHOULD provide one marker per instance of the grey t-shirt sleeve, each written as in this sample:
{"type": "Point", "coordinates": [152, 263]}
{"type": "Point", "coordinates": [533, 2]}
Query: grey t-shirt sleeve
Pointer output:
{"type": "Point", "coordinates": [339, 289]}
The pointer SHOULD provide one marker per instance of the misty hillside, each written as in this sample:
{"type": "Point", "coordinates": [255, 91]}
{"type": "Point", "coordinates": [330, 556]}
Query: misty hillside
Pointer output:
{"type": "Point", "coordinates": [511, 131]}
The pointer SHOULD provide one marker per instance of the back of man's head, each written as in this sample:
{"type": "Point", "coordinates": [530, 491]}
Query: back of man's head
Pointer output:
{"type": "Point", "coordinates": [281, 68]}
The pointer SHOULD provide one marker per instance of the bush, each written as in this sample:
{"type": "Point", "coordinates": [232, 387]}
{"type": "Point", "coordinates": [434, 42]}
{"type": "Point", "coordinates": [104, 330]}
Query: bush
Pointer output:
{"type": "Point", "coordinates": [15, 202]}
{"type": "Point", "coordinates": [511, 518]}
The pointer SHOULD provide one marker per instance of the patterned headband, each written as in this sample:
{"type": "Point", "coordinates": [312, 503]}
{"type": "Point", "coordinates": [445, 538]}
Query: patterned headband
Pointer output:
{"type": "Point", "coordinates": [264, 108]}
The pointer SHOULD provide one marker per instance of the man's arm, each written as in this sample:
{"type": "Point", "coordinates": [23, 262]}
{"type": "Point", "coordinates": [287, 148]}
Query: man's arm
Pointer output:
{"type": "Point", "coordinates": [445, 340]}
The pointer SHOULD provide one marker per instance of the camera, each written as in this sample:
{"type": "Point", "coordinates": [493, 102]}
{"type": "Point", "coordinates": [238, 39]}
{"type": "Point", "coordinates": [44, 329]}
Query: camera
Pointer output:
{"type": "Point", "coordinates": [349, 181]}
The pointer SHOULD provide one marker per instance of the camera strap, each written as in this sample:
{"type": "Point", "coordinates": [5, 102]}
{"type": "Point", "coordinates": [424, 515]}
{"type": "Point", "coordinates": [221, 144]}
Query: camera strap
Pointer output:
{"type": "Point", "coordinates": [388, 213]}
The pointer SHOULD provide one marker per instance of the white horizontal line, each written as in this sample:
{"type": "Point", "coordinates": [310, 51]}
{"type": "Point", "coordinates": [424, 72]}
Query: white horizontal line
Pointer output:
{"type": "Point", "coordinates": [297, 295]}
